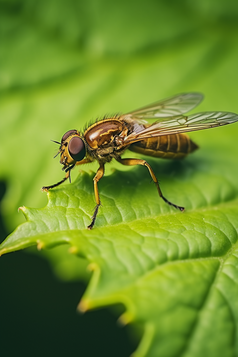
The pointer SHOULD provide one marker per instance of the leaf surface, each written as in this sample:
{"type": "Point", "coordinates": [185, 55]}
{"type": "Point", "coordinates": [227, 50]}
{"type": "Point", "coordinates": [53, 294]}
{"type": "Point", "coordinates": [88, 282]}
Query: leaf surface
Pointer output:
{"type": "Point", "coordinates": [171, 270]}
{"type": "Point", "coordinates": [62, 66]}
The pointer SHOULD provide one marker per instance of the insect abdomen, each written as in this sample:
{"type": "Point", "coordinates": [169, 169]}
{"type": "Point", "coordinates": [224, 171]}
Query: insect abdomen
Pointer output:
{"type": "Point", "coordinates": [175, 146]}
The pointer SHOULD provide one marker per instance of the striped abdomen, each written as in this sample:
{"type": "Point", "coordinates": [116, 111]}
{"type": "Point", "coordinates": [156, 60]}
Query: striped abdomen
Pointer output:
{"type": "Point", "coordinates": [174, 146]}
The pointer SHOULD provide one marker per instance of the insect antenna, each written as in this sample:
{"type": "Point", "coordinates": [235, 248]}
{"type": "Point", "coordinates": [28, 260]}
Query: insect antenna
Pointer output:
{"type": "Point", "coordinates": [56, 142]}
{"type": "Point", "coordinates": [56, 154]}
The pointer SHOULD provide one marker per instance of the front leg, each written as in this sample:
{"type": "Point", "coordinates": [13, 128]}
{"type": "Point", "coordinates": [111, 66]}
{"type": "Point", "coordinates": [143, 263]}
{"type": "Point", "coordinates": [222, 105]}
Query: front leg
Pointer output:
{"type": "Point", "coordinates": [97, 177]}
{"type": "Point", "coordinates": [67, 175]}
{"type": "Point", "coordinates": [47, 188]}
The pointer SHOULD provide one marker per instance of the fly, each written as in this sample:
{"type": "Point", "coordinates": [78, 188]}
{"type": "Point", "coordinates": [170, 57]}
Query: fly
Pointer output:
{"type": "Point", "coordinates": [108, 139]}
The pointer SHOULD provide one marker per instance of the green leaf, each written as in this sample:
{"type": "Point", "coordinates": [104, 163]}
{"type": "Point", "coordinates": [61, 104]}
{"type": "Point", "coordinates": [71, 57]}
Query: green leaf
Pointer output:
{"type": "Point", "coordinates": [62, 65]}
{"type": "Point", "coordinates": [174, 272]}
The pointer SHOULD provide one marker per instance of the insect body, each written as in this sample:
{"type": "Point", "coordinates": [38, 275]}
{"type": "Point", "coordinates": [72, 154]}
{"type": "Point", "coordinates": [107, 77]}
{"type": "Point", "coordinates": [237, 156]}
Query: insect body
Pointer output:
{"type": "Point", "coordinates": [107, 139]}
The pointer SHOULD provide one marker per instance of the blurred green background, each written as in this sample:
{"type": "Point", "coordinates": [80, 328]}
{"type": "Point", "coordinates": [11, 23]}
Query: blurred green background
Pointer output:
{"type": "Point", "coordinates": [63, 64]}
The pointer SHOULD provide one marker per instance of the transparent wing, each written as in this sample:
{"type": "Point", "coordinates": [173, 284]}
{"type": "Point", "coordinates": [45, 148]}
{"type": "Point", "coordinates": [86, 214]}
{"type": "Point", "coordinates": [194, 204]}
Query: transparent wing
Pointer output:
{"type": "Point", "coordinates": [182, 124]}
{"type": "Point", "coordinates": [179, 104]}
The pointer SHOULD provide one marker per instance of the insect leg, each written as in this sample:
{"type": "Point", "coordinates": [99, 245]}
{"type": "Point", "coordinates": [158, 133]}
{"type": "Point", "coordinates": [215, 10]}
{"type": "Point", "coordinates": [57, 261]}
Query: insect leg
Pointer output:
{"type": "Point", "coordinates": [97, 177]}
{"type": "Point", "coordinates": [46, 188]}
{"type": "Point", "coordinates": [130, 162]}
{"type": "Point", "coordinates": [67, 175]}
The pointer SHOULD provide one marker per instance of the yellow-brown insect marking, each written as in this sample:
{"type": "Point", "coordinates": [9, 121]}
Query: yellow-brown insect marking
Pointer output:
{"type": "Point", "coordinates": [168, 143]}
{"type": "Point", "coordinates": [102, 132]}
{"type": "Point", "coordinates": [175, 146]}
{"type": "Point", "coordinates": [178, 142]}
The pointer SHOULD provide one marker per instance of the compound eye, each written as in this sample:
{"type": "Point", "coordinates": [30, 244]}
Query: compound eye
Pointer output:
{"type": "Point", "coordinates": [76, 148]}
{"type": "Point", "coordinates": [67, 134]}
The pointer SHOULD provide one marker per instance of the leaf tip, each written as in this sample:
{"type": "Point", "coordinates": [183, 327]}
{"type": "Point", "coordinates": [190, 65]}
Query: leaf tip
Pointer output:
{"type": "Point", "coordinates": [40, 245]}
{"type": "Point", "coordinates": [2, 251]}
{"type": "Point", "coordinates": [73, 250]}
{"type": "Point", "coordinates": [92, 267]}
{"type": "Point", "coordinates": [83, 306]}
{"type": "Point", "coordinates": [125, 319]}
{"type": "Point", "coordinates": [23, 209]}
